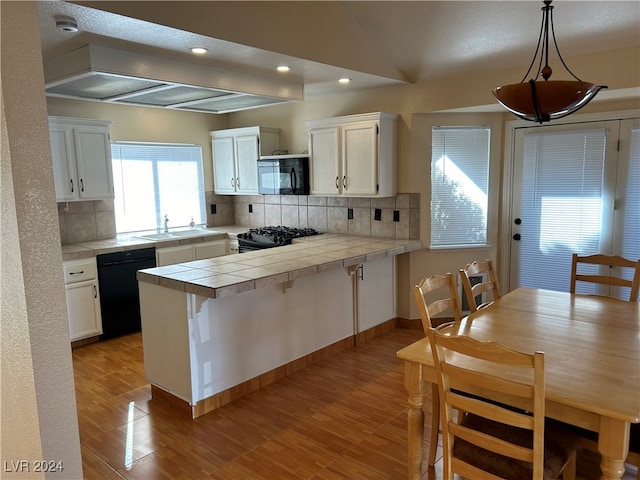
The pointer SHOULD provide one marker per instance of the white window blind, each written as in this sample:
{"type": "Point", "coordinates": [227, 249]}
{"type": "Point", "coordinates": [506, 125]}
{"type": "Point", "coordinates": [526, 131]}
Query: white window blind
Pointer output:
{"type": "Point", "coordinates": [154, 180]}
{"type": "Point", "coordinates": [562, 205]}
{"type": "Point", "coordinates": [459, 186]}
{"type": "Point", "coordinates": [631, 241]}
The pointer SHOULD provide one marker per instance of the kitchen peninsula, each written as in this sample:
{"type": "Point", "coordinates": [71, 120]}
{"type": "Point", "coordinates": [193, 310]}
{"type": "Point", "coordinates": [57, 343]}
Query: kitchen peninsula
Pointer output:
{"type": "Point", "coordinates": [216, 329]}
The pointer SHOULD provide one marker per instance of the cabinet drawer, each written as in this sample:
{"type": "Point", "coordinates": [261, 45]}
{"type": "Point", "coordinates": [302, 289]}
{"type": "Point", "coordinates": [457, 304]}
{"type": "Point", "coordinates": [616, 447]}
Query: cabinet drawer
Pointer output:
{"type": "Point", "coordinates": [79, 270]}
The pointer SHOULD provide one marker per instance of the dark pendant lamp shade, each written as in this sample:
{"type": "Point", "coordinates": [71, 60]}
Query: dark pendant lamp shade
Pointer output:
{"type": "Point", "coordinates": [544, 100]}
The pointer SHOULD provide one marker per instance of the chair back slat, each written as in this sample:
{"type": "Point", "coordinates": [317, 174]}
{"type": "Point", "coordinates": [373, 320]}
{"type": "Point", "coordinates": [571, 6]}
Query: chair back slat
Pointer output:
{"type": "Point", "coordinates": [611, 261]}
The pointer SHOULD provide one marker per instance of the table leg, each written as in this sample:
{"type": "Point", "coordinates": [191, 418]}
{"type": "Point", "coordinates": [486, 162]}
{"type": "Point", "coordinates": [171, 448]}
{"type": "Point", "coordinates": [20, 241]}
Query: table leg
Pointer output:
{"type": "Point", "coordinates": [415, 386]}
{"type": "Point", "coordinates": [613, 445]}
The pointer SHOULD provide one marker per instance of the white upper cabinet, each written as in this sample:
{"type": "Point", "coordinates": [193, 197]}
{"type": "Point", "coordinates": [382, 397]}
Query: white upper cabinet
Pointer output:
{"type": "Point", "coordinates": [353, 155]}
{"type": "Point", "coordinates": [81, 155]}
{"type": "Point", "coordinates": [235, 157]}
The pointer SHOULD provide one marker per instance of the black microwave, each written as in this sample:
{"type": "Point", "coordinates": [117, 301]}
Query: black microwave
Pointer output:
{"type": "Point", "coordinates": [283, 175]}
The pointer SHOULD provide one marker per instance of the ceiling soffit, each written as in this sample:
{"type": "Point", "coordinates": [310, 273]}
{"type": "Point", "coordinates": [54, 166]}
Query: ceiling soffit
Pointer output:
{"type": "Point", "coordinates": [105, 74]}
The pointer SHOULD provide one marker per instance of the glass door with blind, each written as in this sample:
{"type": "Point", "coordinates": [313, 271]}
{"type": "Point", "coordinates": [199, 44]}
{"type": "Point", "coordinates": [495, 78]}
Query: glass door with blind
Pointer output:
{"type": "Point", "coordinates": [575, 189]}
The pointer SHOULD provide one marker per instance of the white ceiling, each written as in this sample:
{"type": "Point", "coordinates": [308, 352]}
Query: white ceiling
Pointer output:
{"type": "Point", "coordinates": [375, 43]}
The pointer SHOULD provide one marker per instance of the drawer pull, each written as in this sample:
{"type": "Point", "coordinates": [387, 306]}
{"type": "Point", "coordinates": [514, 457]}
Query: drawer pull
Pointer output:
{"type": "Point", "coordinates": [95, 292]}
{"type": "Point", "coordinates": [77, 273]}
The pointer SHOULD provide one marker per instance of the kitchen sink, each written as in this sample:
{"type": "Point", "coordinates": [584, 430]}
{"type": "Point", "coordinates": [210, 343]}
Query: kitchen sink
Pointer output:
{"type": "Point", "coordinates": [178, 234]}
{"type": "Point", "coordinates": [191, 233]}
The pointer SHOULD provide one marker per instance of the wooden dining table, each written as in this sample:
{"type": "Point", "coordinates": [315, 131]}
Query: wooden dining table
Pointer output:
{"type": "Point", "coordinates": [592, 364]}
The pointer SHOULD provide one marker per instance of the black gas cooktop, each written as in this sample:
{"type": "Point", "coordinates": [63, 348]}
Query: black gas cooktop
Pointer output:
{"type": "Point", "coordinates": [272, 236]}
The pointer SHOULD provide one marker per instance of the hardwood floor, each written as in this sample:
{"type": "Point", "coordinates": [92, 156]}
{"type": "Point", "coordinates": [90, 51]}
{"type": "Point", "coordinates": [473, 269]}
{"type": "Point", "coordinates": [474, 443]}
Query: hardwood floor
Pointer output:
{"type": "Point", "coordinates": [343, 418]}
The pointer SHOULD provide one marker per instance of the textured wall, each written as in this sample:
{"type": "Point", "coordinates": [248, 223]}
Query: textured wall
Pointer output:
{"type": "Point", "coordinates": [36, 352]}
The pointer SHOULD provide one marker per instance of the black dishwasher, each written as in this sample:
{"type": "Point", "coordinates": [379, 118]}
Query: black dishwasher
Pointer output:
{"type": "Point", "coordinates": [119, 298]}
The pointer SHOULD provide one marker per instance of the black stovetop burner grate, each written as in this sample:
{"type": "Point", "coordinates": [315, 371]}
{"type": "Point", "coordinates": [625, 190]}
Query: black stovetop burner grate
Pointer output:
{"type": "Point", "coordinates": [271, 236]}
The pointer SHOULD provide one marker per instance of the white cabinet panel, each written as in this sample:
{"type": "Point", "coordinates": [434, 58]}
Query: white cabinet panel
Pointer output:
{"type": "Point", "coordinates": [360, 154]}
{"type": "Point", "coordinates": [213, 249]}
{"type": "Point", "coordinates": [247, 153]}
{"type": "Point", "coordinates": [324, 148]}
{"type": "Point", "coordinates": [376, 292]}
{"type": "Point", "coordinates": [224, 172]}
{"type": "Point", "coordinates": [64, 163]}
{"type": "Point", "coordinates": [83, 298]}
{"type": "Point", "coordinates": [191, 252]}
{"type": "Point", "coordinates": [171, 255]}
{"type": "Point", "coordinates": [93, 158]}
{"type": "Point", "coordinates": [81, 156]}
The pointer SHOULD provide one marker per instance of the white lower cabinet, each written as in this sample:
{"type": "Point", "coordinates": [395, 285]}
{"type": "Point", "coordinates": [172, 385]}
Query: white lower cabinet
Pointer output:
{"type": "Point", "coordinates": [232, 246]}
{"type": "Point", "coordinates": [191, 252]}
{"type": "Point", "coordinates": [83, 298]}
{"type": "Point", "coordinates": [376, 293]}
{"type": "Point", "coordinates": [171, 255]}
{"type": "Point", "coordinates": [210, 249]}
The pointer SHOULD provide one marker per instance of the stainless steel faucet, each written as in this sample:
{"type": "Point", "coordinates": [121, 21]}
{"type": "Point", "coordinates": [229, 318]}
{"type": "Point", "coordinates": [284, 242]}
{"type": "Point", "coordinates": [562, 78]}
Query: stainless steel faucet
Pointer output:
{"type": "Point", "coordinates": [166, 223]}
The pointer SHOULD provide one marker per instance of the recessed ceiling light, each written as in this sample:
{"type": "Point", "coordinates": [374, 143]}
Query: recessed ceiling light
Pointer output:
{"type": "Point", "coordinates": [283, 68]}
{"type": "Point", "coordinates": [344, 80]}
{"type": "Point", "coordinates": [199, 50]}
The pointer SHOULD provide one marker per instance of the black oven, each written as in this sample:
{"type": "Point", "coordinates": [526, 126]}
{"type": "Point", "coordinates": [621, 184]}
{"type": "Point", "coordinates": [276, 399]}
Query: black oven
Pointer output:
{"type": "Point", "coordinates": [283, 175]}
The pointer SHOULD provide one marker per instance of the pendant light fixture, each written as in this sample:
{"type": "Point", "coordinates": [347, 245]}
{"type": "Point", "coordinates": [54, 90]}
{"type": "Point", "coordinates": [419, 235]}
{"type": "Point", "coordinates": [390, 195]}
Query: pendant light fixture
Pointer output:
{"type": "Point", "coordinates": [544, 100]}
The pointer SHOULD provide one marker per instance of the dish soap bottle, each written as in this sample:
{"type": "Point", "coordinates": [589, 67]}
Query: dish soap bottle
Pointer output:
{"type": "Point", "coordinates": [192, 224]}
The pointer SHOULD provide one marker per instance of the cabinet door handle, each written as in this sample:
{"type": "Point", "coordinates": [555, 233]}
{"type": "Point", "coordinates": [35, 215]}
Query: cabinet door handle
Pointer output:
{"type": "Point", "coordinates": [95, 292]}
{"type": "Point", "coordinates": [233, 183]}
{"type": "Point", "coordinates": [71, 180]}
{"type": "Point", "coordinates": [237, 182]}
{"type": "Point", "coordinates": [344, 182]}
{"type": "Point", "coordinates": [337, 187]}
{"type": "Point", "coordinates": [77, 273]}
{"type": "Point", "coordinates": [81, 185]}
{"type": "Point", "coordinates": [361, 268]}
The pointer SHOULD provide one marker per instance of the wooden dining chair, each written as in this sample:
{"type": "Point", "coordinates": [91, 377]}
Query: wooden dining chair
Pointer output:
{"type": "Point", "coordinates": [578, 274]}
{"type": "Point", "coordinates": [489, 285]}
{"type": "Point", "coordinates": [434, 295]}
{"type": "Point", "coordinates": [437, 294]}
{"type": "Point", "coordinates": [503, 433]}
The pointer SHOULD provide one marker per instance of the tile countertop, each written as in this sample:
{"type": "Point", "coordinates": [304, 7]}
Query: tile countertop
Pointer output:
{"type": "Point", "coordinates": [228, 275]}
{"type": "Point", "coordinates": [130, 242]}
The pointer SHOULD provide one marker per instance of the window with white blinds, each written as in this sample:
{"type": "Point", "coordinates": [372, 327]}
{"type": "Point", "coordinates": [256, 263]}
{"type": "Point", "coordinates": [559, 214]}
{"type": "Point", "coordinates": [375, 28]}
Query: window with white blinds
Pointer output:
{"type": "Point", "coordinates": [459, 186]}
{"type": "Point", "coordinates": [154, 180]}
{"type": "Point", "coordinates": [631, 236]}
